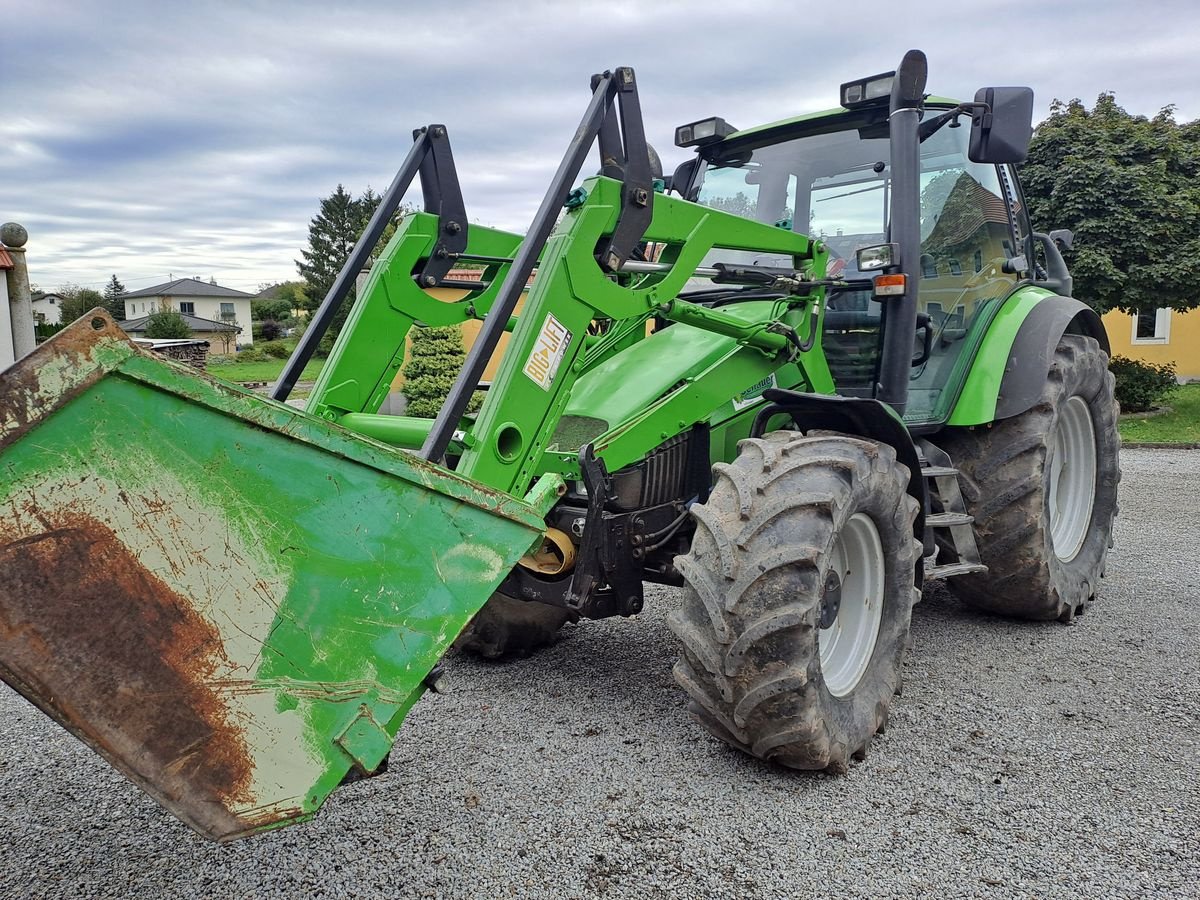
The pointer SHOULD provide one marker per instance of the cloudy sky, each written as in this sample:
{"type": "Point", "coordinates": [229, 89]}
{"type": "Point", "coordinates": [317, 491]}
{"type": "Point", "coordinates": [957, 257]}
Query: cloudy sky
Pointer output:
{"type": "Point", "coordinates": [160, 138]}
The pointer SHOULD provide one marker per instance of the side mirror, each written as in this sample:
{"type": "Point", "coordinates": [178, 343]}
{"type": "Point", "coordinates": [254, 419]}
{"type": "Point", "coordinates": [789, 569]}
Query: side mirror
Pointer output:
{"type": "Point", "coordinates": [681, 180]}
{"type": "Point", "coordinates": [1002, 135]}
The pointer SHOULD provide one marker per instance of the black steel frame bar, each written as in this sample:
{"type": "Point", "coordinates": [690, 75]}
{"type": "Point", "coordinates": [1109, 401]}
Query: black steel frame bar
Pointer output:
{"type": "Point", "coordinates": [451, 413]}
{"type": "Point", "coordinates": [357, 260]}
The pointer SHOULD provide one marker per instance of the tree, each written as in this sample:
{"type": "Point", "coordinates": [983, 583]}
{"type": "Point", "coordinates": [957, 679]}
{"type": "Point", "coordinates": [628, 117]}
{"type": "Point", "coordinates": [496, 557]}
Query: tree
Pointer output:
{"type": "Point", "coordinates": [113, 299]}
{"type": "Point", "coordinates": [77, 301]}
{"type": "Point", "coordinates": [278, 301]}
{"type": "Point", "coordinates": [166, 323]}
{"type": "Point", "coordinates": [270, 310]}
{"type": "Point", "coordinates": [332, 234]}
{"type": "Point", "coordinates": [228, 337]}
{"type": "Point", "coordinates": [1128, 187]}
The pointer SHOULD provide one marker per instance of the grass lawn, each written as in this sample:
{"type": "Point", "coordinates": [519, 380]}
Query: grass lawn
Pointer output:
{"type": "Point", "coordinates": [1180, 426]}
{"type": "Point", "coordinates": [266, 370]}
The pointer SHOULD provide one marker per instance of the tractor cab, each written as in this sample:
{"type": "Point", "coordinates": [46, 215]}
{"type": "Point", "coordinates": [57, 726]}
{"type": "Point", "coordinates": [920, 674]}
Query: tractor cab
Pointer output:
{"type": "Point", "coordinates": [830, 176]}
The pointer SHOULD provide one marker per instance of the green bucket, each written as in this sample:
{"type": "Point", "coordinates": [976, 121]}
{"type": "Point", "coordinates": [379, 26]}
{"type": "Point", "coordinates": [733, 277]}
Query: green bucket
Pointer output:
{"type": "Point", "coordinates": [232, 601]}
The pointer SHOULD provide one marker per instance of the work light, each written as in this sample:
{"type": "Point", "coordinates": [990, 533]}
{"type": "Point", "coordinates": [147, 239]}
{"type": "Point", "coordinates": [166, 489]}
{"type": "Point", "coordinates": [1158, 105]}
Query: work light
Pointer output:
{"type": "Point", "coordinates": [867, 91]}
{"type": "Point", "coordinates": [706, 131]}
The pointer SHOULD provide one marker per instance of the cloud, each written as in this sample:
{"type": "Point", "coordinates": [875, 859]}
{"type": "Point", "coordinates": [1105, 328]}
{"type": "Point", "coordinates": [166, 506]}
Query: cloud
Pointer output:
{"type": "Point", "coordinates": [153, 138]}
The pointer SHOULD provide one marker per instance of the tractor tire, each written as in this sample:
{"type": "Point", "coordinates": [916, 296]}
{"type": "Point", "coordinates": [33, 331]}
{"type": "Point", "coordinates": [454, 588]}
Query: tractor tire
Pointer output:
{"type": "Point", "coordinates": [794, 527]}
{"type": "Point", "coordinates": [507, 627]}
{"type": "Point", "coordinates": [1042, 487]}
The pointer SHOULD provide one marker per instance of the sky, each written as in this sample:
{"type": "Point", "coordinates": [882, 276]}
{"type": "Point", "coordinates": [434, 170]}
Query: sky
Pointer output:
{"type": "Point", "coordinates": [175, 139]}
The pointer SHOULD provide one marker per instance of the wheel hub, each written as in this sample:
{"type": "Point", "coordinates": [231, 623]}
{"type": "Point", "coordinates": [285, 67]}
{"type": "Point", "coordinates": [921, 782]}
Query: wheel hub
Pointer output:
{"type": "Point", "coordinates": [831, 599]}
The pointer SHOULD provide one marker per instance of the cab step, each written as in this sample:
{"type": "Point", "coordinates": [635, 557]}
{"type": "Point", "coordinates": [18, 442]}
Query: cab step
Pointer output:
{"type": "Point", "coordinates": [946, 519]}
{"type": "Point", "coordinates": [934, 571]}
{"type": "Point", "coordinates": [939, 472]}
{"type": "Point", "coordinates": [956, 524]}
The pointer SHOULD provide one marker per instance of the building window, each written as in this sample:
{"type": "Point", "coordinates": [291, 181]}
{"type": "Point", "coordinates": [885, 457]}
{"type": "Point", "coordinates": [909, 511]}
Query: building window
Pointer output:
{"type": "Point", "coordinates": [227, 313]}
{"type": "Point", "coordinates": [955, 267]}
{"type": "Point", "coordinates": [1152, 326]}
{"type": "Point", "coordinates": [187, 307]}
{"type": "Point", "coordinates": [978, 260]}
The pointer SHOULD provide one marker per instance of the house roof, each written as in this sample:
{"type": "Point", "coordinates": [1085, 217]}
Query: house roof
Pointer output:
{"type": "Point", "coordinates": [195, 323]}
{"type": "Point", "coordinates": [186, 287]}
{"type": "Point", "coordinates": [967, 208]}
{"type": "Point", "coordinates": [5, 260]}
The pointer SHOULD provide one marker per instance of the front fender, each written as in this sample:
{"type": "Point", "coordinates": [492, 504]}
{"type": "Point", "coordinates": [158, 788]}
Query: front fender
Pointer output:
{"type": "Point", "coordinates": [1009, 371]}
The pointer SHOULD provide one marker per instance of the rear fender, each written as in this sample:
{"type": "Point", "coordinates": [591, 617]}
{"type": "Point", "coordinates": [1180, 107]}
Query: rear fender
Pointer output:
{"type": "Point", "coordinates": [1009, 371]}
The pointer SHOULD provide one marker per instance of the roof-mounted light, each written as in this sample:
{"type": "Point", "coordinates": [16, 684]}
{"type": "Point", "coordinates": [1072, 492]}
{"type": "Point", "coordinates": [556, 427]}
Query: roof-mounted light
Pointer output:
{"type": "Point", "coordinates": [868, 91]}
{"type": "Point", "coordinates": [706, 131]}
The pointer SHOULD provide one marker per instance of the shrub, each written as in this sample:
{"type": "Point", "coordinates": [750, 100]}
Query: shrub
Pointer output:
{"type": "Point", "coordinates": [1141, 386]}
{"type": "Point", "coordinates": [434, 361]}
{"type": "Point", "coordinates": [167, 323]}
{"type": "Point", "coordinates": [252, 354]}
{"type": "Point", "coordinates": [268, 330]}
{"type": "Point", "coordinates": [275, 349]}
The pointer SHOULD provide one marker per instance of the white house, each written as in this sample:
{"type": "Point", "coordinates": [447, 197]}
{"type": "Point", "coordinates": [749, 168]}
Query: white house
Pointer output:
{"type": "Point", "coordinates": [47, 309]}
{"type": "Point", "coordinates": [201, 300]}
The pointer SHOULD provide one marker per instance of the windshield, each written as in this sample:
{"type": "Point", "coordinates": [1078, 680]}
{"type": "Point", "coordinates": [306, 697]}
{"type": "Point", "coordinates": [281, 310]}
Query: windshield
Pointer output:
{"type": "Point", "coordinates": [836, 187]}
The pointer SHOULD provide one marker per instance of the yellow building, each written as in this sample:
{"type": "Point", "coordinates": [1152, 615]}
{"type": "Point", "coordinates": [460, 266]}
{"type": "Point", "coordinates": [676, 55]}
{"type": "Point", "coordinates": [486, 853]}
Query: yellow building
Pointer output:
{"type": "Point", "coordinates": [1158, 336]}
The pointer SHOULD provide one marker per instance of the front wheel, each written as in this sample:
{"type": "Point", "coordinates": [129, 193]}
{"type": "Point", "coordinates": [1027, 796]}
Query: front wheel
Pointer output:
{"type": "Point", "coordinates": [799, 591]}
{"type": "Point", "coordinates": [1042, 487]}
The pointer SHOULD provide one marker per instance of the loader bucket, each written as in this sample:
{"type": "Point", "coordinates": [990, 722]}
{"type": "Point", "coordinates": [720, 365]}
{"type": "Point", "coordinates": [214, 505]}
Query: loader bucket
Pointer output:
{"type": "Point", "coordinates": [232, 601]}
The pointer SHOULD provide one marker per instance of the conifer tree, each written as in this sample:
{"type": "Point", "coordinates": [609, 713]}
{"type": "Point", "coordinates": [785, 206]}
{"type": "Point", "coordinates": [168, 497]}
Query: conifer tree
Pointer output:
{"type": "Point", "coordinates": [113, 298]}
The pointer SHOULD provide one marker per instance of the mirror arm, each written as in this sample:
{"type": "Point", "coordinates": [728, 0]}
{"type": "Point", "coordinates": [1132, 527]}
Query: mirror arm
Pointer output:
{"type": "Point", "coordinates": [1058, 276]}
{"type": "Point", "coordinates": [931, 127]}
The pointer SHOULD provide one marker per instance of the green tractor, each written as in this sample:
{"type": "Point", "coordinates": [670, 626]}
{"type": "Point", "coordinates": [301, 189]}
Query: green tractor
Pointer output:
{"type": "Point", "coordinates": [825, 361]}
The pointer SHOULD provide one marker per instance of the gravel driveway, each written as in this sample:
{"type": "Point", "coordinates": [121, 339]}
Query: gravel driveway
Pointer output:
{"type": "Point", "coordinates": [1022, 760]}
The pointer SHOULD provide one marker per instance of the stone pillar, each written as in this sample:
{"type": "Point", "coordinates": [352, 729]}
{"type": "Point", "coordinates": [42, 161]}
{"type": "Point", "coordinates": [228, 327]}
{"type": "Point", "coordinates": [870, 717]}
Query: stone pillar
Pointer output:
{"type": "Point", "coordinates": [20, 304]}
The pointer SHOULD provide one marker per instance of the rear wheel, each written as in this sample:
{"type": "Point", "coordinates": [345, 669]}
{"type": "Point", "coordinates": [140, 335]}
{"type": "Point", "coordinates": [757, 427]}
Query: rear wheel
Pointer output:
{"type": "Point", "coordinates": [799, 590]}
{"type": "Point", "coordinates": [1042, 487]}
{"type": "Point", "coordinates": [509, 627]}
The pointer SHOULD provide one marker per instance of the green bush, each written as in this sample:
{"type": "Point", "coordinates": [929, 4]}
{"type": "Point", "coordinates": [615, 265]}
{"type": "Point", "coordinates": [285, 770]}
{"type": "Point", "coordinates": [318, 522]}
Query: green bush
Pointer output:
{"type": "Point", "coordinates": [252, 354]}
{"type": "Point", "coordinates": [45, 330]}
{"type": "Point", "coordinates": [275, 349]}
{"type": "Point", "coordinates": [434, 361]}
{"type": "Point", "coordinates": [1141, 386]}
{"type": "Point", "coordinates": [266, 330]}
{"type": "Point", "coordinates": [167, 323]}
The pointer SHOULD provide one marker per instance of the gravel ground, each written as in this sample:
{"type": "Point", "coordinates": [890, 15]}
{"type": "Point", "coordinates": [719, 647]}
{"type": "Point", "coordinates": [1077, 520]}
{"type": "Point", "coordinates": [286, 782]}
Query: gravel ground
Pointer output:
{"type": "Point", "coordinates": [1022, 760]}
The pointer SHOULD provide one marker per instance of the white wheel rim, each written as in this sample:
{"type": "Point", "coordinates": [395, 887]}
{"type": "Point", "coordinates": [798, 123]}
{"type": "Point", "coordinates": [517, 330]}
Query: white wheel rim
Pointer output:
{"type": "Point", "coordinates": [847, 645]}
{"type": "Point", "coordinates": [1072, 478]}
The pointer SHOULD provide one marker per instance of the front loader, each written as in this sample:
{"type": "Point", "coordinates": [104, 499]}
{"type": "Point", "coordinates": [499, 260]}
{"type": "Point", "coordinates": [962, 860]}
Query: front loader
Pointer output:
{"type": "Point", "coordinates": [824, 361]}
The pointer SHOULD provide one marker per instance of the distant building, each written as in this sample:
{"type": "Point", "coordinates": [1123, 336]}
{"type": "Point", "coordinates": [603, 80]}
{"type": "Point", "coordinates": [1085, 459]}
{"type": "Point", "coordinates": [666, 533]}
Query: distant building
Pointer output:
{"type": "Point", "coordinates": [206, 303]}
{"type": "Point", "coordinates": [1158, 336]}
{"type": "Point", "coordinates": [47, 309]}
